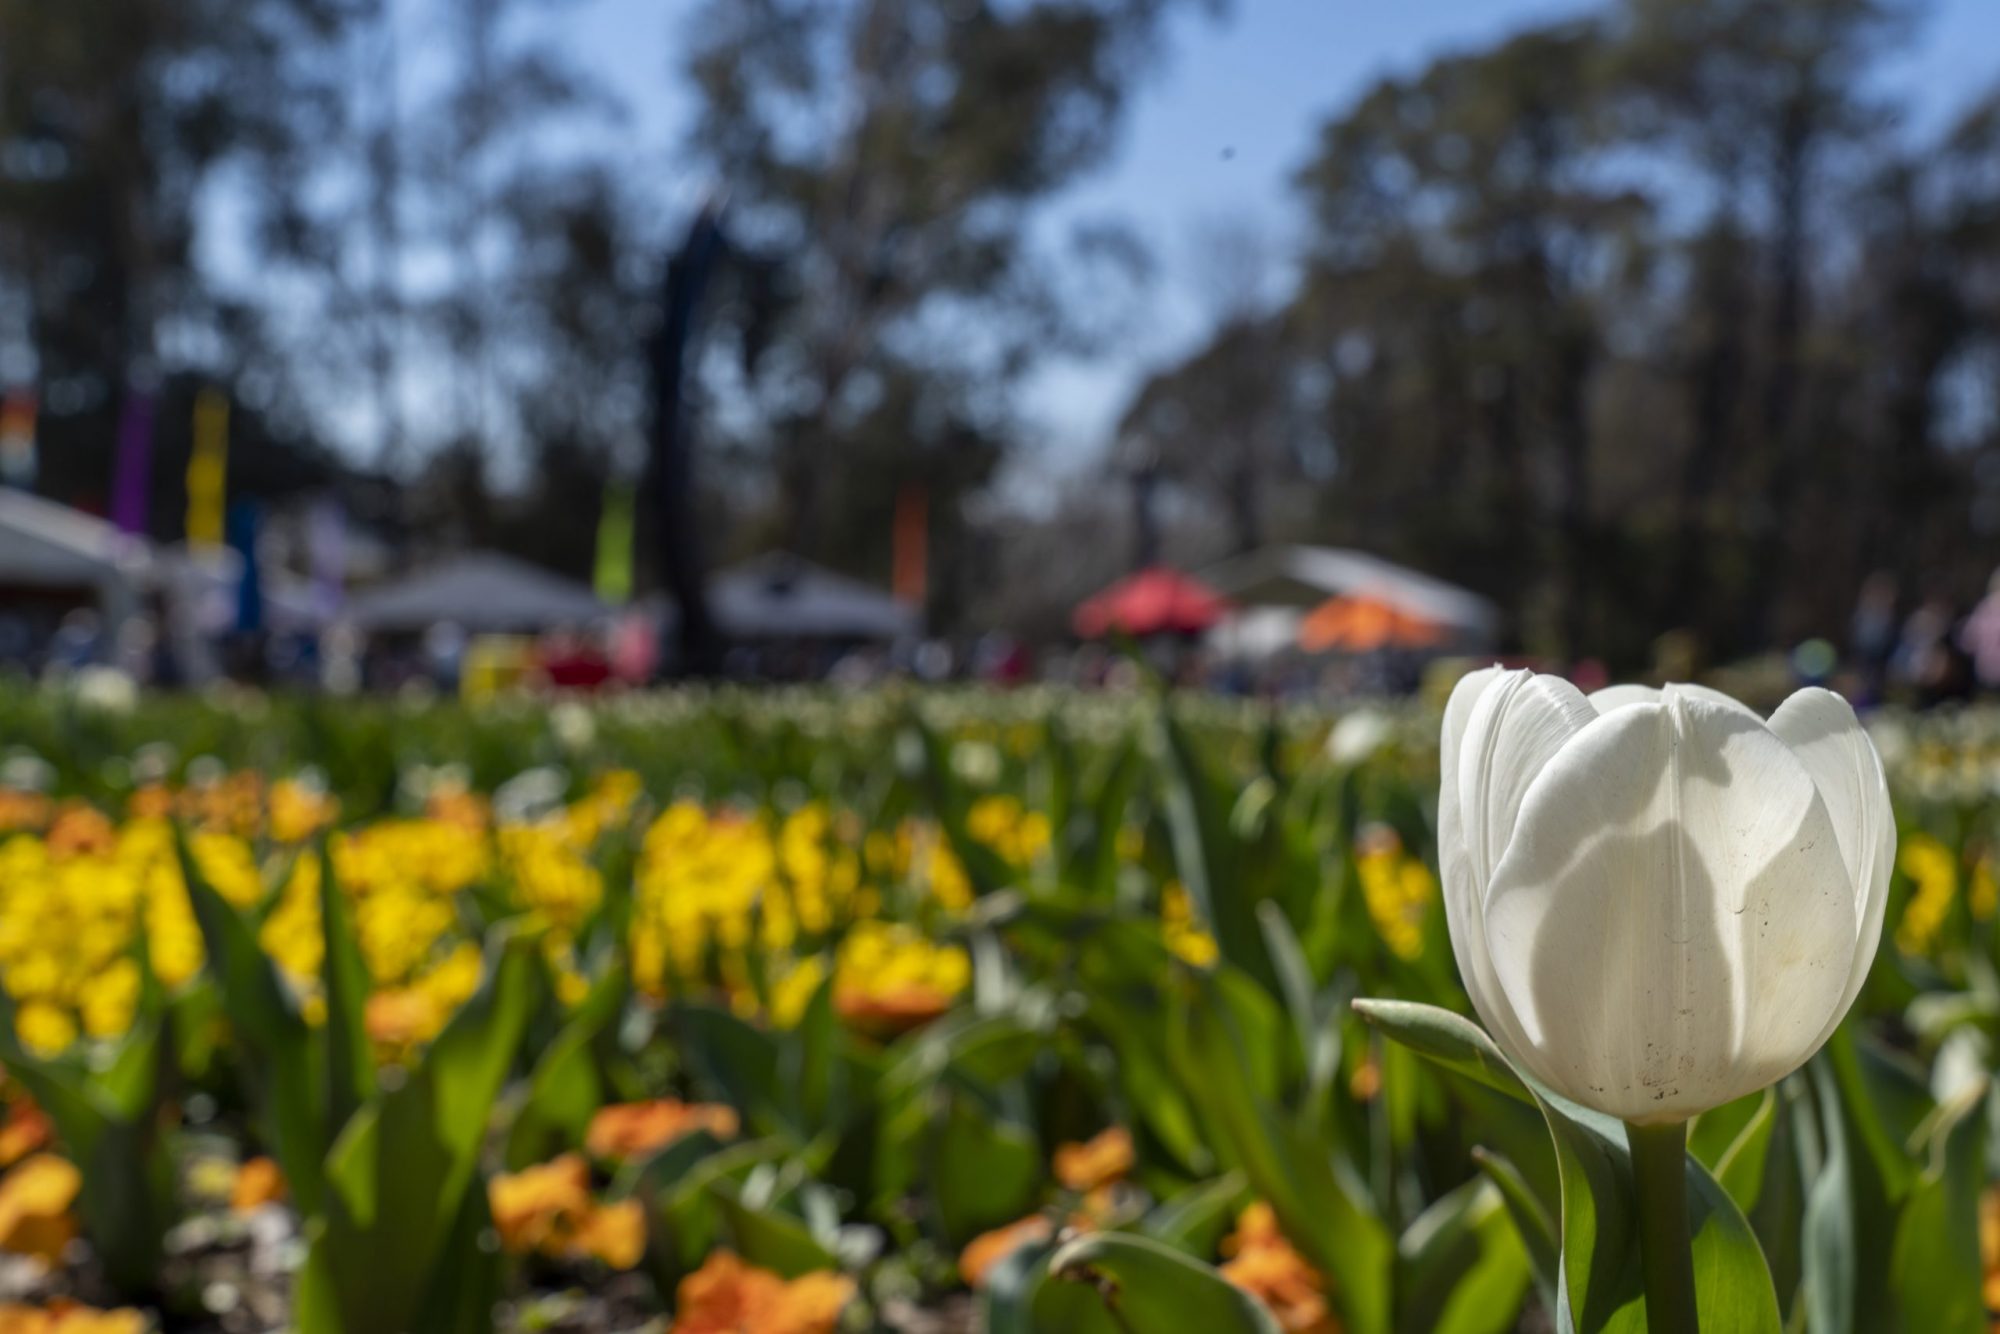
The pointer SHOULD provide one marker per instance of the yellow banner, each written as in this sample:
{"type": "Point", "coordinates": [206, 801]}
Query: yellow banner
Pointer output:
{"type": "Point", "coordinates": [208, 468]}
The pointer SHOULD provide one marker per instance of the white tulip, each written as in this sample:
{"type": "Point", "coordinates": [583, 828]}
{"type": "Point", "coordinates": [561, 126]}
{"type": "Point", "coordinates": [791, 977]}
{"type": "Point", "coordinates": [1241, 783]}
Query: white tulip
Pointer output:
{"type": "Point", "coordinates": [1659, 902]}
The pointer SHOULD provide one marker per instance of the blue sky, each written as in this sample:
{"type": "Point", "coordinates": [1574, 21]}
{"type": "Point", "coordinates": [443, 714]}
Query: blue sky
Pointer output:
{"type": "Point", "coordinates": [1218, 129]}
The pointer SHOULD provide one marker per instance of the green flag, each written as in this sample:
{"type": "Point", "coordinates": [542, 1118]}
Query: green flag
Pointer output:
{"type": "Point", "coordinates": [614, 544]}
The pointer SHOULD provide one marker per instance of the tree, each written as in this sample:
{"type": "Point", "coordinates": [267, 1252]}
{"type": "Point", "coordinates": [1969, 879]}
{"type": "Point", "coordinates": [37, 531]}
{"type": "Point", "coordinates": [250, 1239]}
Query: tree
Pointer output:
{"type": "Point", "coordinates": [1464, 231]}
{"type": "Point", "coordinates": [1761, 98]}
{"type": "Point", "coordinates": [115, 117]}
{"type": "Point", "coordinates": [889, 154]}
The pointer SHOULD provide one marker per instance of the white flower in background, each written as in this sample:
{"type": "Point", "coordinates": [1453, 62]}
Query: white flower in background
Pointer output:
{"type": "Point", "coordinates": [1659, 902]}
{"type": "Point", "coordinates": [573, 723]}
{"type": "Point", "coordinates": [104, 689]}
{"type": "Point", "coordinates": [976, 762]}
{"type": "Point", "coordinates": [1358, 735]}
{"type": "Point", "coordinates": [532, 794]}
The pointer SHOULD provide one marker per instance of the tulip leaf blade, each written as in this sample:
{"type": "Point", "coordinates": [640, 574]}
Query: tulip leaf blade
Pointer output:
{"type": "Point", "coordinates": [1447, 1039]}
{"type": "Point", "coordinates": [1739, 1169]}
{"type": "Point", "coordinates": [1019, 1296]}
{"type": "Point", "coordinates": [1321, 1205]}
{"type": "Point", "coordinates": [1195, 1220]}
{"type": "Point", "coordinates": [1539, 1233]}
{"type": "Point", "coordinates": [1462, 1265]}
{"type": "Point", "coordinates": [1602, 1290]}
{"type": "Point", "coordinates": [1936, 1268]}
{"type": "Point", "coordinates": [1154, 1289]}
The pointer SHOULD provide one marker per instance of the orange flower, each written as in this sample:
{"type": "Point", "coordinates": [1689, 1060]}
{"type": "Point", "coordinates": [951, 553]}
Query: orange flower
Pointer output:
{"type": "Point", "coordinates": [549, 1208]}
{"type": "Point", "coordinates": [258, 1183]}
{"type": "Point", "coordinates": [988, 1249]}
{"type": "Point", "coordinates": [726, 1296]}
{"type": "Point", "coordinates": [34, 1206]}
{"type": "Point", "coordinates": [1266, 1267]}
{"type": "Point", "coordinates": [613, 1233]}
{"type": "Point", "coordinates": [456, 806]}
{"type": "Point", "coordinates": [636, 1129]}
{"type": "Point", "coordinates": [155, 801]}
{"type": "Point", "coordinates": [78, 831]}
{"type": "Point", "coordinates": [400, 1016]}
{"type": "Point", "coordinates": [890, 1013]}
{"type": "Point", "coordinates": [1366, 1081]}
{"type": "Point", "coordinates": [67, 1317]}
{"type": "Point", "coordinates": [23, 810]}
{"type": "Point", "coordinates": [1105, 1158]}
{"type": "Point", "coordinates": [541, 1203]}
{"type": "Point", "coordinates": [27, 1129]}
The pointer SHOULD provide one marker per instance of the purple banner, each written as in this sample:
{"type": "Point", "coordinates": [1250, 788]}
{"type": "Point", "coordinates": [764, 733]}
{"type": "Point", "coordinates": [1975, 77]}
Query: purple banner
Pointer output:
{"type": "Point", "coordinates": [131, 486]}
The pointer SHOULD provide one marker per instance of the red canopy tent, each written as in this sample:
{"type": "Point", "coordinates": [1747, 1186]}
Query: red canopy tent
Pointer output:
{"type": "Point", "coordinates": [1155, 601]}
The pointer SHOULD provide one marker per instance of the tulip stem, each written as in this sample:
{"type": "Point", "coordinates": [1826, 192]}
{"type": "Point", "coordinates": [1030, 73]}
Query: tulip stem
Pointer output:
{"type": "Point", "coordinates": [1659, 1169]}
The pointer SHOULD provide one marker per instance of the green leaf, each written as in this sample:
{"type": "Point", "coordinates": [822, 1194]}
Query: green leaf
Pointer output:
{"type": "Point", "coordinates": [1538, 1232]}
{"type": "Point", "coordinates": [344, 975]}
{"type": "Point", "coordinates": [1319, 1202]}
{"type": "Point", "coordinates": [1739, 1167]}
{"type": "Point", "coordinates": [398, 1175]}
{"type": "Point", "coordinates": [1450, 1040]}
{"type": "Point", "coordinates": [283, 1060]}
{"type": "Point", "coordinates": [1099, 876]}
{"type": "Point", "coordinates": [1195, 1220]}
{"type": "Point", "coordinates": [1295, 980]}
{"type": "Point", "coordinates": [984, 1171]}
{"type": "Point", "coordinates": [1207, 851]}
{"type": "Point", "coordinates": [1602, 1285]}
{"type": "Point", "coordinates": [564, 1089]}
{"type": "Point", "coordinates": [1937, 1274]}
{"type": "Point", "coordinates": [768, 1238]}
{"type": "Point", "coordinates": [1461, 1266]}
{"type": "Point", "coordinates": [737, 1060]}
{"type": "Point", "coordinates": [1830, 1244]}
{"type": "Point", "coordinates": [1021, 1298]}
{"type": "Point", "coordinates": [1153, 1289]}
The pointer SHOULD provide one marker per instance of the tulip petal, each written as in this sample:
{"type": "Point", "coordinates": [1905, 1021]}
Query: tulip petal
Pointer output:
{"type": "Point", "coordinates": [1829, 740]}
{"type": "Point", "coordinates": [1517, 724]}
{"type": "Point", "coordinates": [1671, 922]}
{"type": "Point", "coordinates": [1463, 889]}
{"type": "Point", "coordinates": [1617, 697]}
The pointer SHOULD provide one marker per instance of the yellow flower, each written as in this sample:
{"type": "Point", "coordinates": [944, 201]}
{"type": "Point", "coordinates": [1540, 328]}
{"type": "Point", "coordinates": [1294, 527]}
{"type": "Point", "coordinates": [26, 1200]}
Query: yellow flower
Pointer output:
{"type": "Point", "coordinates": [889, 978]}
{"type": "Point", "coordinates": [1181, 930]}
{"type": "Point", "coordinates": [229, 866]}
{"type": "Point", "coordinates": [297, 811]}
{"type": "Point", "coordinates": [1398, 889]}
{"type": "Point", "coordinates": [1933, 872]}
{"type": "Point", "coordinates": [43, 1028]}
{"type": "Point", "coordinates": [1019, 835]}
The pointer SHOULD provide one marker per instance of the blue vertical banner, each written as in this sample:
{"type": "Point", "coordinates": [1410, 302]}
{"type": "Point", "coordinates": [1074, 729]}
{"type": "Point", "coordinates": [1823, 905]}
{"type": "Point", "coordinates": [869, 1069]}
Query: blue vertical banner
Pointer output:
{"type": "Point", "coordinates": [244, 518]}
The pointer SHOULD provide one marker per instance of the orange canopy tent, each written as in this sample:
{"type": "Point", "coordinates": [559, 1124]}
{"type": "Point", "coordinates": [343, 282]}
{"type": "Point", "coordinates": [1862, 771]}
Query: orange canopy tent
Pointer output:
{"type": "Point", "coordinates": [1359, 624]}
{"type": "Point", "coordinates": [1155, 601]}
